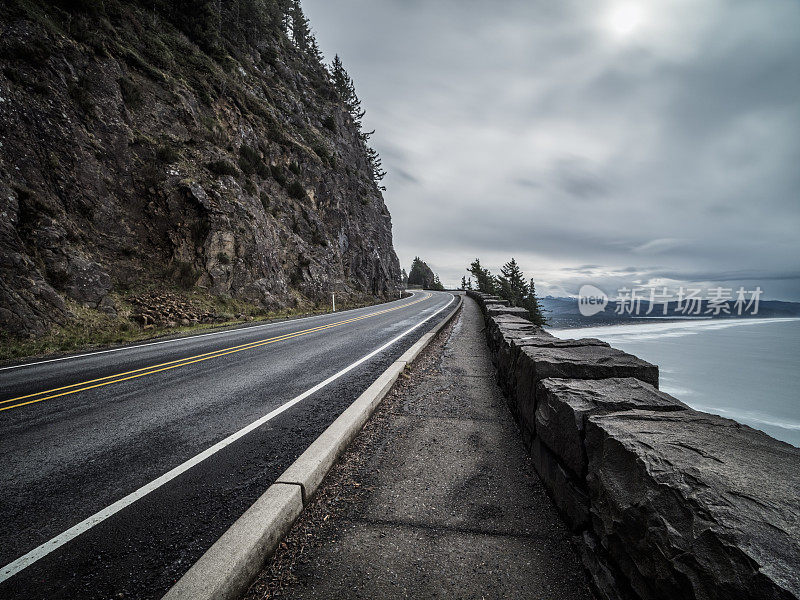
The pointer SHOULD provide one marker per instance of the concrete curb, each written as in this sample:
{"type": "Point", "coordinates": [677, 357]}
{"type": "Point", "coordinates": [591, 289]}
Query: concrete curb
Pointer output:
{"type": "Point", "coordinates": [311, 466]}
{"type": "Point", "coordinates": [230, 566]}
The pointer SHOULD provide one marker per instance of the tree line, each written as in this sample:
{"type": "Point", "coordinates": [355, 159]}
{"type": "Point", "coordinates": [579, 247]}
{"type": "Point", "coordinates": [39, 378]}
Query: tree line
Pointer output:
{"type": "Point", "coordinates": [511, 285]}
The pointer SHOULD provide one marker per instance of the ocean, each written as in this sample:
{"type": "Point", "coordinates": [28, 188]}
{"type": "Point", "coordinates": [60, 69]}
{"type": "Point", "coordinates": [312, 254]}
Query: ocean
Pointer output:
{"type": "Point", "coordinates": [743, 369]}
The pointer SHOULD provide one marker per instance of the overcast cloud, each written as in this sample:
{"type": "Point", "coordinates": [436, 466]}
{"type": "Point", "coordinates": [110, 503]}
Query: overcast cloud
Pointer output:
{"type": "Point", "coordinates": [598, 142]}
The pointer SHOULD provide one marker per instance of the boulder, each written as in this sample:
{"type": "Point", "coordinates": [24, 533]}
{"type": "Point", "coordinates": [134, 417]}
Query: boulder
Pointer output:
{"type": "Point", "coordinates": [107, 306]}
{"type": "Point", "coordinates": [692, 505]}
{"type": "Point", "coordinates": [564, 405]}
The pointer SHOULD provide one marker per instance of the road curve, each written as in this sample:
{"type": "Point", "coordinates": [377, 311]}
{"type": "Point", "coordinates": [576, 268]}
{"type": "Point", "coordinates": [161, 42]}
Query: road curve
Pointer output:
{"type": "Point", "coordinates": [119, 469]}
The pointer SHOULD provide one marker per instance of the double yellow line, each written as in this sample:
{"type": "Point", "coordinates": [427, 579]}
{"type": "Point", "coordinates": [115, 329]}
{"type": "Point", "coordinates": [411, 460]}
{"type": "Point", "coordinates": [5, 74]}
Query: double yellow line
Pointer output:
{"type": "Point", "coordinates": [174, 364]}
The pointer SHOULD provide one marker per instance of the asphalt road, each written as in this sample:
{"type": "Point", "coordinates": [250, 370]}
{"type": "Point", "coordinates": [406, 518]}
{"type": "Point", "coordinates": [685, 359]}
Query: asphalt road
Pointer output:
{"type": "Point", "coordinates": [119, 469]}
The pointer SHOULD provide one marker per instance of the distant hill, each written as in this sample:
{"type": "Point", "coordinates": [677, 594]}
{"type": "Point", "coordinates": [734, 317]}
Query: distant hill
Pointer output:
{"type": "Point", "coordinates": [563, 312]}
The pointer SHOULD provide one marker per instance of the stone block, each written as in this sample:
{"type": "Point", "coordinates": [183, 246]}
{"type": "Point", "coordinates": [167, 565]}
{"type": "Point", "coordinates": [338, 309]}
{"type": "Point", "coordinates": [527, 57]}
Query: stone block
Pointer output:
{"type": "Point", "coordinates": [563, 405]}
{"type": "Point", "coordinates": [692, 505]}
{"type": "Point", "coordinates": [580, 359]}
{"type": "Point", "coordinates": [493, 302]}
{"type": "Point", "coordinates": [494, 310]}
{"type": "Point", "coordinates": [569, 359]}
{"type": "Point", "coordinates": [501, 332]}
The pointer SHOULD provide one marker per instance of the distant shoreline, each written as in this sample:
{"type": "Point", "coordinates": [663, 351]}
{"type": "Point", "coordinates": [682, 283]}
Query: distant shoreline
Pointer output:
{"type": "Point", "coordinates": [581, 323]}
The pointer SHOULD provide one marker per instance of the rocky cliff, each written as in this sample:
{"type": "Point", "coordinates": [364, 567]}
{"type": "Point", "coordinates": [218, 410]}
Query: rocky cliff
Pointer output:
{"type": "Point", "coordinates": [136, 155]}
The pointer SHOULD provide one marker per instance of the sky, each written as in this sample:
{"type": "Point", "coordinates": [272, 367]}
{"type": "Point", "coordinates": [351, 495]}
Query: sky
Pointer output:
{"type": "Point", "coordinates": [611, 143]}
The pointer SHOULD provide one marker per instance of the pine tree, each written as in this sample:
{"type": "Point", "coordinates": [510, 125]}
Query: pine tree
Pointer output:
{"type": "Point", "coordinates": [301, 29]}
{"type": "Point", "coordinates": [376, 165]}
{"type": "Point", "coordinates": [502, 288]}
{"type": "Point", "coordinates": [483, 278]}
{"type": "Point", "coordinates": [512, 284]}
{"type": "Point", "coordinates": [346, 90]}
{"type": "Point", "coordinates": [314, 51]}
{"type": "Point", "coordinates": [463, 283]}
{"type": "Point", "coordinates": [531, 303]}
{"type": "Point", "coordinates": [201, 21]}
{"type": "Point", "coordinates": [469, 283]}
{"type": "Point", "coordinates": [220, 26]}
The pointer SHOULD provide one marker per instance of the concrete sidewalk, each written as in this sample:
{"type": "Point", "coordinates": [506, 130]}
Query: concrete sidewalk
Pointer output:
{"type": "Point", "coordinates": [438, 499]}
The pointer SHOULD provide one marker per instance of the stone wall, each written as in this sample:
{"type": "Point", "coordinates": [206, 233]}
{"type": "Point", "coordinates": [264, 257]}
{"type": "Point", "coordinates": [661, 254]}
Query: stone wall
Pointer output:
{"type": "Point", "coordinates": [665, 502]}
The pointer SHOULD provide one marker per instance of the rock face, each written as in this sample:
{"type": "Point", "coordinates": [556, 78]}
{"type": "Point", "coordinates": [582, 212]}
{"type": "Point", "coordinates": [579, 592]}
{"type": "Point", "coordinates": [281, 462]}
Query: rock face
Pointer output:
{"type": "Point", "coordinates": [691, 505]}
{"type": "Point", "coordinates": [665, 502]}
{"type": "Point", "coordinates": [131, 157]}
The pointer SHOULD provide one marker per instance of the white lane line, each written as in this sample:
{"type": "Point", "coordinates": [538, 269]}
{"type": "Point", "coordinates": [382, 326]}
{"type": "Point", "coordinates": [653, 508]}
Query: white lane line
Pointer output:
{"type": "Point", "coordinates": [43, 550]}
{"type": "Point", "coordinates": [188, 337]}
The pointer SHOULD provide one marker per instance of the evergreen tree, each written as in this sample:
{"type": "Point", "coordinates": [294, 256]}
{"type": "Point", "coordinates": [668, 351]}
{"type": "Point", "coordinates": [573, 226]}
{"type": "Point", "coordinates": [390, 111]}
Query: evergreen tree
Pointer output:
{"type": "Point", "coordinates": [483, 278]}
{"type": "Point", "coordinates": [313, 50]}
{"type": "Point", "coordinates": [531, 303]}
{"type": "Point", "coordinates": [469, 283]}
{"type": "Point", "coordinates": [376, 165]}
{"type": "Point", "coordinates": [404, 277]}
{"type": "Point", "coordinates": [218, 26]}
{"type": "Point", "coordinates": [502, 288]}
{"type": "Point", "coordinates": [511, 283]}
{"type": "Point", "coordinates": [346, 90]}
{"type": "Point", "coordinates": [463, 283]}
{"type": "Point", "coordinates": [252, 19]}
{"type": "Point", "coordinates": [201, 21]}
{"type": "Point", "coordinates": [301, 29]}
